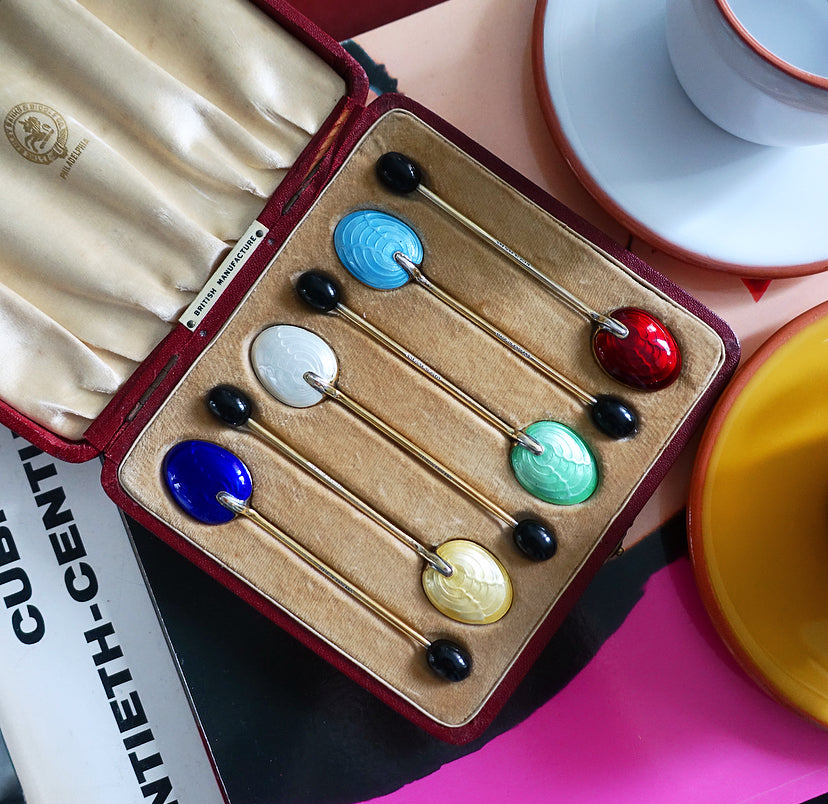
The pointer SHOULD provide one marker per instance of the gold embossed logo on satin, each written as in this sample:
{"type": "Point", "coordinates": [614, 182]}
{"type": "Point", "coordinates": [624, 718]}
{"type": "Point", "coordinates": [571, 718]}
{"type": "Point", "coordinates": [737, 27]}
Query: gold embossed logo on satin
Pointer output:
{"type": "Point", "coordinates": [37, 132]}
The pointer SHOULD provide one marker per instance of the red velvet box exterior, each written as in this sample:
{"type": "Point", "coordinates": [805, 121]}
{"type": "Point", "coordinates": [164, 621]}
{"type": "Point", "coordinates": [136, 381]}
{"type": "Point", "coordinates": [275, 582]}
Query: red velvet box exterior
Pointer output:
{"type": "Point", "coordinates": [124, 418]}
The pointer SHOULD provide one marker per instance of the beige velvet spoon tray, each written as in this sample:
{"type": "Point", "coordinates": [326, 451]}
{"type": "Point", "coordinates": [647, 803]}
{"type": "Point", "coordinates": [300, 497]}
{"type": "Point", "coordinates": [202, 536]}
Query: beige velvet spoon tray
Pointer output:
{"type": "Point", "coordinates": [415, 497]}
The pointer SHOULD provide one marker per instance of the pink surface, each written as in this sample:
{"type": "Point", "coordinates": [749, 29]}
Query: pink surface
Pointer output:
{"type": "Point", "coordinates": [661, 714]}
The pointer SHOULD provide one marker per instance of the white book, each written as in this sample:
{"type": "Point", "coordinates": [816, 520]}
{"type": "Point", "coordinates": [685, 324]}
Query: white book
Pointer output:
{"type": "Point", "coordinates": [92, 706]}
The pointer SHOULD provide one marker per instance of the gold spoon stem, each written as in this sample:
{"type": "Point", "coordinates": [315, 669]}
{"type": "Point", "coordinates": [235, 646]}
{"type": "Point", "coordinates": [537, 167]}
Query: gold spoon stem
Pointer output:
{"type": "Point", "coordinates": [421, 279]}
{"type": "Point", "coordinates": [330, 390]}
{"type": "Point", "coordinates": [436, 562]}
{"type": "Point", "coordinates": [568, 298]}
{"type": "Point", "coordinates": [522, 438]}
{"type": "Point", "coordinates": [243, 509]}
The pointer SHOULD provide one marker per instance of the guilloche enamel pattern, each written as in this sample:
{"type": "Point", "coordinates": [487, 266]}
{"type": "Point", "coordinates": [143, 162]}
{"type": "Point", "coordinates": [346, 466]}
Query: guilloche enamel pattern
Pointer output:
{"type": "Point", "coordinates": [281, 368]}
{"type": "Point", "coordinates": [461, 579]}
{"type": "Point", "coordinates": [214, 486]}
{"type": "Point", "coordinates": [441, 526]}
{"type": "Point", "coordinates": [632, 346]}
{"type": "Point", "coordinates": [385, 253]}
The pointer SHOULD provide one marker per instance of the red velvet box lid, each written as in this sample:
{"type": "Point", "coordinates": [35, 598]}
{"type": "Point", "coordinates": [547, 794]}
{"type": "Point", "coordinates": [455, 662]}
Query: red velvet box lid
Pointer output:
{"type": "Point", "coordinates": [102, 432]}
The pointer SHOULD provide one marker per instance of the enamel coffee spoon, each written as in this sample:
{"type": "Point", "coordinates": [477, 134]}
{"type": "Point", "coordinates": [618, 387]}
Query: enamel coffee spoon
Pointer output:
{"type": "Point", "coordinates": [320, 292]}
{"type": "Point", "coordinates": [540, 475]}
{"type": "Point", "coordinates": [299, 368]}
{"type": "Point", "coordinates": [214, 486]}
{"type": "Point", "coordinates": [384, 253]}
{"type": "Point", "coordinates": [629, 343]}
{"type": "Point", "coordinates": [462, 580]}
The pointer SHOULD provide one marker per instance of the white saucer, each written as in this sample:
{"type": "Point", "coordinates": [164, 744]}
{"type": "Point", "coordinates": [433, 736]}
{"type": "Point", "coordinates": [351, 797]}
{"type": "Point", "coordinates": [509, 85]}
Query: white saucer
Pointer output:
{"type": "Point", "coordinates": [675, 179]}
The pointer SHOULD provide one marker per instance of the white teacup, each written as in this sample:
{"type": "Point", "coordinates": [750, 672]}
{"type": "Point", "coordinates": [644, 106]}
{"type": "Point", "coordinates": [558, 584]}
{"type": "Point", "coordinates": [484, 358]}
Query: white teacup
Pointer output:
{"type": "Point", "coordinates": [757, 68]}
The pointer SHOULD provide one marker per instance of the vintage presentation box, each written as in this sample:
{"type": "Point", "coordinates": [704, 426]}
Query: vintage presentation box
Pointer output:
{"type": "Point", "coordinates": [169, 196]}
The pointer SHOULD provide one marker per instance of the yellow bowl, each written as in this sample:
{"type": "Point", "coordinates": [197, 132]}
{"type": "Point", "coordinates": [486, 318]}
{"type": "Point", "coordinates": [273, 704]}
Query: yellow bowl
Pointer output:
{"type": "Point", "coordinates": [758, 515]}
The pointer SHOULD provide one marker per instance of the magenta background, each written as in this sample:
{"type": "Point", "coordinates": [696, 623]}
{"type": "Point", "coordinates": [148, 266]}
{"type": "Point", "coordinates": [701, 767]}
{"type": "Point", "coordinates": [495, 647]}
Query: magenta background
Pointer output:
{"type": "Point", "coordinates": [661, 714]}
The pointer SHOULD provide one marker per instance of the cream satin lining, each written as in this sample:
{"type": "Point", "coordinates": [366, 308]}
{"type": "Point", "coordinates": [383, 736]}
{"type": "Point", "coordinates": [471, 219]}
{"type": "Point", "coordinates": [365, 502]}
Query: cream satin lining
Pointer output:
{"type": "Point", "coordinates": [181, 119]}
